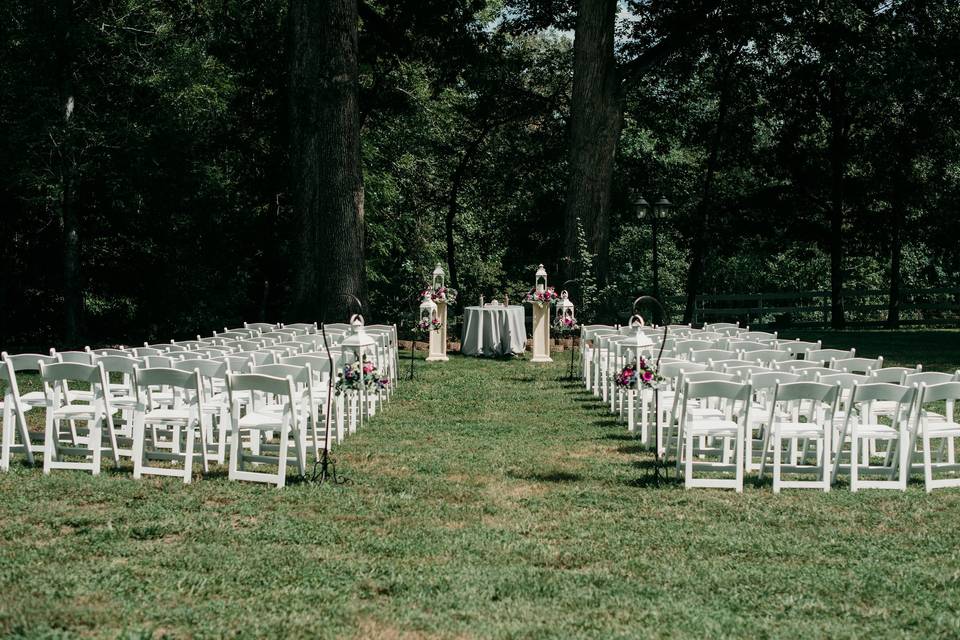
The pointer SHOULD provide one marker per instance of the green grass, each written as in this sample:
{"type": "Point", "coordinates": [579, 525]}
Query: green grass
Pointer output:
{"type": "Point", "coordinates": [490, 500]}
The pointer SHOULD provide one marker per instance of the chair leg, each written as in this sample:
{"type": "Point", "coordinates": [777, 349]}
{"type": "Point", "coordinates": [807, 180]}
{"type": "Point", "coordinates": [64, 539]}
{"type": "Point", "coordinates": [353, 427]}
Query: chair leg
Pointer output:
{"type": "Point", "coordinates": [854, 459]}
{"type": "Point", "coordinates": [188, 454]}
{"type": "Point", "coordinates": [49, 441]}
{"type": "Point", "coordinates": [904, 454]}
{"type": "Point", "coordinates": [282, 455]}
{"type": "Point", "coordinates": [234, 464]}
{"type": "Point", "coordinates": [825, 459]}
{"type": "Point", "coordinates": [96, 443]}
{"type": "Point", "coordinates": [7, 436]}
{"type": "Point", "coordinates": [139, 435]}
{"type": "Point", "coordinates": [738, 458]}
{"type": "Point", "coordinates": [777, 455]}
{"type": "Point", "coordinates": [927, 463]}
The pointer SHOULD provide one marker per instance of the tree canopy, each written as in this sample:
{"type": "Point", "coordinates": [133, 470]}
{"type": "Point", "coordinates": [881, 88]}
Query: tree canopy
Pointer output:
{"type": "Point", "coordinates": [148, 184]}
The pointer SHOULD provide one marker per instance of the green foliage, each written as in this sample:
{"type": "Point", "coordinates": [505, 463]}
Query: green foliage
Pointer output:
{"type": "Point", "coordinates": [587, 281]}
{"type": "Point", "coordinates": [178, 150]}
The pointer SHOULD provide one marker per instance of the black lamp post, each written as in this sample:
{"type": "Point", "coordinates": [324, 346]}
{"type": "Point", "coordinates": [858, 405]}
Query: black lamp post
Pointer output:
{"type": "Point", "coordinates": [657, 213]}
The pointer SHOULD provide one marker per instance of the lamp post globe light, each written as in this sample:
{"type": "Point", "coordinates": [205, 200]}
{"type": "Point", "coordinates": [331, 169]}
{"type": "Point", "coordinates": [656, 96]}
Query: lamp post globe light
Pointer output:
{"type": "Point", "coordinates": [657, 213]}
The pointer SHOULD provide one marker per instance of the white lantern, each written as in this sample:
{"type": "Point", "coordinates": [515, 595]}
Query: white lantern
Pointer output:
{"type": "Point", "coordinates": [541, 279]}
{"type": "Point", "coordinates": [428, 310]}
{"type": "Point", "coordinates": [565, 309]}
{"type": "Point", "coordinates": [641, 341]}
{"type": "Point", "coordinates": [358, 342]}
{"type": "Point", "coordinates": [438, 277]}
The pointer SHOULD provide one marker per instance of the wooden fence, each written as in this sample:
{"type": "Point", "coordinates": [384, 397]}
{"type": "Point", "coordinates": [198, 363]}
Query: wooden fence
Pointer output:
{"type": "Point", "coordinates": [864, 308]}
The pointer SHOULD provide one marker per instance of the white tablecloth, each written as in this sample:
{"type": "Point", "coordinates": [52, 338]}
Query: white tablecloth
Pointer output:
{"type": "Point", "coordinates": [493, 331]}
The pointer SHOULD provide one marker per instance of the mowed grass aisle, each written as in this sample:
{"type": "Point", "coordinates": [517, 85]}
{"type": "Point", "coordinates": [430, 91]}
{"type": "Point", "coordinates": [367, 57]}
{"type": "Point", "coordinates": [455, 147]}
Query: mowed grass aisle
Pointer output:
{"type": "Point", "coordinates": [490, 500]}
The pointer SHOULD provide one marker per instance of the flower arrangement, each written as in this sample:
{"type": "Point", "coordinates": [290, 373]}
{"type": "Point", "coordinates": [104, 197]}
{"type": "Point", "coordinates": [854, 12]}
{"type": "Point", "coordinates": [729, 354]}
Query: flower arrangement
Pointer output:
{"type": "Point", "coordinates": [637, 374]}
{"type": "Point", "coordinates": [442, 293]}
{"type": "Point", "coordinates": [565, 324]}
{"type": "Point", "coordinates": [547, 296]}
{"type": "Point", "coordinates": [427, 325]}
{"type": "Point", "coordinates": [358, 375]}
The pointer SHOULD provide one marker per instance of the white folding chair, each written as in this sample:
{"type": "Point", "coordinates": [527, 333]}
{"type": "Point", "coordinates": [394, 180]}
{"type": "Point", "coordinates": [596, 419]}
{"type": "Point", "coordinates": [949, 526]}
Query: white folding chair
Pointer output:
{"type": "Point", "coordinates": [215, 412]}
{"type": "Point", "coordinates": [60, 407]}
{"type": "Point", "coordinates": [930, 430]}
{"type": "Point", "coordinates": [254, 424]}
{"type": "Point", "coordinates": [857, 365]}
{"type": "Point", "coordinates": [14, 419]}
{"type": "Point", "coordinates": [729, 428]}
{"type": "Point", "coordinates": [785, 424]}
{"type": "Point", "coordinates": [824, 356]}
{"type": "Point", "coordinates": [861, 430]}
{"type": "Point", "coordinates": [183, 423]}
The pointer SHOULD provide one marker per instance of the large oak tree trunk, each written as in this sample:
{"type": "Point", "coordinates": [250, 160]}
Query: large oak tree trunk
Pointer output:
{"type": "Point", "coordinates": [72, 296]}
{"type": "Point", "coordinates": [595, 121]}
{"type": "Point", "coordinates": [327, 185]}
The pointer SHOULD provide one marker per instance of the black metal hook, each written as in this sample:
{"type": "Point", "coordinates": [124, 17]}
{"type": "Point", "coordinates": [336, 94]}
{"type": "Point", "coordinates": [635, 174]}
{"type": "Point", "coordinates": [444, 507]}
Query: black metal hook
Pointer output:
{"type": "Point", "coordinates": [663, 314]}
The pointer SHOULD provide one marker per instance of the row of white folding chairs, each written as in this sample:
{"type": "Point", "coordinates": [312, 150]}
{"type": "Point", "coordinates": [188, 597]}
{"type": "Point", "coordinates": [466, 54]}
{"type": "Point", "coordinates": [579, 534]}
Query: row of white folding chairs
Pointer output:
{"type": "Point", "coordinates": [634, 405]}
{"type": "Point", "coordinates": [171, 416]}
{"type": "Point", "coordinates": [258, 354]}
{"type": "Point", "coordinates": [122, 359]}
{"type": "Point", "coordinates": [611, 352]}
{"type": "Point", "coordinates": [121, 400]}
{"type": "Point", "coordinates": [821, 428]}
{"type": "Point", "coordinates": [606, 350]}
{"type": "Point", "coordinates": [864, 427]}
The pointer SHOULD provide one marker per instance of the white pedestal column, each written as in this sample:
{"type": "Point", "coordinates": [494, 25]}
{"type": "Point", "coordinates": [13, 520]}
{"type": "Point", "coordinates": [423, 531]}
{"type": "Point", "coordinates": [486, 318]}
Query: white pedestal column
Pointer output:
{"type": "Point", "coordinates": [438, 338]}
{"type": "Point", "coordinates": [541, 333]}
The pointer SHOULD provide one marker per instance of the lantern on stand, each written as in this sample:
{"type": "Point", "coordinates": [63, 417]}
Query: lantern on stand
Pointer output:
{"type": "Point", "coordinates": [428, 312]}
{"type": "Point", "coordinates": [541, 298]}
{"type": "Point", "coordinates": [565, 310]}
{"type": "Point", "coordinates": [566, 323]}
{"type": "Point", "coordinates": [438, 336]}
{"type": "Point", "coordinates": [541, 279]}
{"type": "Point", "coordinates": [640, 347]}
{"type": "Point", "coordinates": [356, 346]}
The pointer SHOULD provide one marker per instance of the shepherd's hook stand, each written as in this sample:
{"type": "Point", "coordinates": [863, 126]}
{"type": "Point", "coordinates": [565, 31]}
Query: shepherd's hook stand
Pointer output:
{"type": "Point", "coordinates": [659, 468]}
{"type": "Point", "coordinates": [325, 469]}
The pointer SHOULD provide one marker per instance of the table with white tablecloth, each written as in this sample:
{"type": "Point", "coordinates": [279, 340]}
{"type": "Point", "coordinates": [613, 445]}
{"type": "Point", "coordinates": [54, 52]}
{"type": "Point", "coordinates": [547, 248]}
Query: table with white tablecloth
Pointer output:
{"type": "Point", "coordinates": [495, 330]}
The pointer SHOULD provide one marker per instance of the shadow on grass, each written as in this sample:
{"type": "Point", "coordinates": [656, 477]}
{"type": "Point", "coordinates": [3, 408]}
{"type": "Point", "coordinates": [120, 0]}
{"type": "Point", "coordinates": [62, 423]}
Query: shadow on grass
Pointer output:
{"type": "Point", "coordinates": [550, 476]}
{"type": "Point", "coordinates": [623, 437]}
{"type": "Point", "coordinates": [649, 481]}
{"type": "Point", "coordinates": [633, 449]}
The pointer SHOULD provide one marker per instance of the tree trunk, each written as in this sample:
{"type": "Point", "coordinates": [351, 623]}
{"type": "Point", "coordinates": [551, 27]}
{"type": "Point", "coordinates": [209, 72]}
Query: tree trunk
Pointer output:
{"type": "Point", "coordinates": [698, 251]}
{"type": "Point", "coordinates": [72, 296]}
{"type": "Point", "coordinates": [327, 185]}
{"type": "Point", "coordinates": [595, 122]}
{"type": "Point", "coordinates": [838, 164]}
{"type": "Point", "coordinates": [453, 202]}
{"type": "Point", "coordinates": [896, 255]}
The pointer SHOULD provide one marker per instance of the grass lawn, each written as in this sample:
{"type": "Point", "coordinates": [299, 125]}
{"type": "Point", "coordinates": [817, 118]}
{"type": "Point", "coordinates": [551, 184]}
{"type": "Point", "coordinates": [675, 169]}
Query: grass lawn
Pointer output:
{"type": "Point", "coordinates": [490, 500]}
